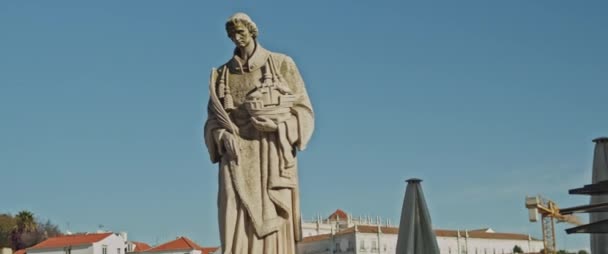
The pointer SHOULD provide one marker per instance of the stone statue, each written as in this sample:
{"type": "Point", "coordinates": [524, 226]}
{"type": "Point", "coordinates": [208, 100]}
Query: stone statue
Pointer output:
{"type": "Point", "coordinates": [259, 115]}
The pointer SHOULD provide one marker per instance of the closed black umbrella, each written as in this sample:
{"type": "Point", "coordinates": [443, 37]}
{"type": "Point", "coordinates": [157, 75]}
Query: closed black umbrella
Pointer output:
{"type": "Point", "coordinates": [416, 235]}
{"type": "Point", "coordinates": [599, 242]}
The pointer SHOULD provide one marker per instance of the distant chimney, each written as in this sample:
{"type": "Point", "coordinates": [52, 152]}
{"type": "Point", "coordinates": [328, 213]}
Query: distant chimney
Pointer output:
{"type": "Point", "coordinates": [123, 235]}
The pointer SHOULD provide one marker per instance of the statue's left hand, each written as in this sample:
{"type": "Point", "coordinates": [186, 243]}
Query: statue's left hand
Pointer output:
{"type": "Point", "coordinates": [264, 124]}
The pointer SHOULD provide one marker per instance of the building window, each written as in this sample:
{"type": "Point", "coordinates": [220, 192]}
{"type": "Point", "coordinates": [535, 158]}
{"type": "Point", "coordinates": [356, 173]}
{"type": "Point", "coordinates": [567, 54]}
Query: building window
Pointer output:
{"type": "Point", "coordinates": [350, 245]}
{"type": "Point", "coordinates": [374, 245]}
{"type": "Point", "coordinates": [362, 243]}
{"type": "Point", "coordinates": [118, 251]}
{"type": "Point", "coordinates": [104, 249]}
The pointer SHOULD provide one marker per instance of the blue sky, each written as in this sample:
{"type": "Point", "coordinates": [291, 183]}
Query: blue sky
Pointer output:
{"type": "Point", "coordinates": [102, 107]}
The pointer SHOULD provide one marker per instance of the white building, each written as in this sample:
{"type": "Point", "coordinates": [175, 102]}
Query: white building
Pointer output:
{"type": "Point", "coordinates": [181, 245]}
{"type": "Point", "coordinates": [340, 233]}
{"type": "Point", "coordinates": [6, 251]}
{"type": "Point", "coordinates": [94, 243]}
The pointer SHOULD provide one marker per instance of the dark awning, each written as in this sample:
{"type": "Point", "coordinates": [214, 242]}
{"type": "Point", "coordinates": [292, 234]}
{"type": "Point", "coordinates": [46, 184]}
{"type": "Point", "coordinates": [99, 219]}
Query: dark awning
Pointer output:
{"type": "Point", "coordinates": [599, 227]}
{"type": "Point", "coordinates": [592, 189]}
{"type": "Point", "coordinates": [595, 208]}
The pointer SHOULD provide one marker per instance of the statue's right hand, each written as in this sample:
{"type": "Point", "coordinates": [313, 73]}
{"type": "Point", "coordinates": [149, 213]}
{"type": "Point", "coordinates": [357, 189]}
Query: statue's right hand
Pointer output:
{"type": "Point", "coordinates": [230, 145]}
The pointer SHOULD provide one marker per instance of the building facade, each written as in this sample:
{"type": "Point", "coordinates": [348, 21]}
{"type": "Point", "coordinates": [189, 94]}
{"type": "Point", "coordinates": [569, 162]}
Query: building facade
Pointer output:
{"type": "Point", "coordinates": [340, 233]}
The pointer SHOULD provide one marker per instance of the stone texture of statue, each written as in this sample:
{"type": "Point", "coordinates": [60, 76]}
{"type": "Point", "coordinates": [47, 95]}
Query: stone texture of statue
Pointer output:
{"type": "Point", "coordinates": [259, 115]}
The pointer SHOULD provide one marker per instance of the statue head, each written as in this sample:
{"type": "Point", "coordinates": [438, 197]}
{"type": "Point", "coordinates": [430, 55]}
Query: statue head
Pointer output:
{"type": "Point", "coordinates": [241, 29]}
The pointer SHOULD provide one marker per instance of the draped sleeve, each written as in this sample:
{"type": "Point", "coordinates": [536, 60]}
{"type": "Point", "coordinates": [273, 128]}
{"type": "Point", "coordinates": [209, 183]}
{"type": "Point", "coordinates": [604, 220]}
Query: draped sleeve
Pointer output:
{"type": "Point", "coordinates": [300, 127]}
{"type": "Point", "coordinates": [212, 131]}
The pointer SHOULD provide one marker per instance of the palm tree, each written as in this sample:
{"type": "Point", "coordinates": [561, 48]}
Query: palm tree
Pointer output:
{"type": "Point", "coordinates": [25, 223]}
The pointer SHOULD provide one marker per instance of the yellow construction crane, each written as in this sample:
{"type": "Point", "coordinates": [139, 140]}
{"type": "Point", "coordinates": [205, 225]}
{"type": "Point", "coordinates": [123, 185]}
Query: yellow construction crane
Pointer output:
{"type": "Point", "coordinates": [549, 212]}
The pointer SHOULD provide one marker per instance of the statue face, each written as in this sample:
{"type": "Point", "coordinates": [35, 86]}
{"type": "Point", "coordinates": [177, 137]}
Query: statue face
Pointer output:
{"type": "Point", "coordinates": [241, 36]}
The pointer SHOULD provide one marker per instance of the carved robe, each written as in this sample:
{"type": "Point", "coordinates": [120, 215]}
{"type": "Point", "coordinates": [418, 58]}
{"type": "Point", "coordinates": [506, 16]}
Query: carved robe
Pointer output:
{"type": "Point", "coordinates": [258, 197]}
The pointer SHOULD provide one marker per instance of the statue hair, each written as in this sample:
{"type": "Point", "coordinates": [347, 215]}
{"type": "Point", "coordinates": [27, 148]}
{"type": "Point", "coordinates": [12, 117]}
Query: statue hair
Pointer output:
{"type": "Point", "coordinates": [244, 20]}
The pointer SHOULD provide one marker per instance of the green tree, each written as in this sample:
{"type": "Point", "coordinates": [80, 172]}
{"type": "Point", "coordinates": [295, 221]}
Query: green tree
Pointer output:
{"type": "Point", "coordinates": [49, 229]}
{"type": "Point", "coordinates": [7, 223]}
{"type": "Point", "coordinates": [517, 249]}
{"type": "Point", "coordinates": [24, 224]}
{"type": "Point", "coordinates": [23, 231]}
{"type": "Point", "coordinates": [43, 231]}
{"type": "Point", "coordinates": [583, 252]}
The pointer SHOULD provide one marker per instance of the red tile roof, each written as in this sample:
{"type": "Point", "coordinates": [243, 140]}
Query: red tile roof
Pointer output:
{"type": "Point", "coordinates": [338, 215]}
{"type": "Point", "coordinates": [315, 238]}
{"type": "Point", "coordinates": [480, 230]}
{"type": "Point", "coordinates": [181, 243]}
{"type": "Point", "coordinates": [374, 229]}
{"type": "Point", "coordinates": [209, 250]}
{"type": "Point", "coordinates": [70, 240]}
{"type": "Point", "coordinates": [483, 235]}
{"type": "Point", "coordinates": [141, 246]}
